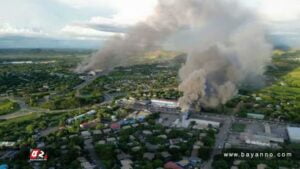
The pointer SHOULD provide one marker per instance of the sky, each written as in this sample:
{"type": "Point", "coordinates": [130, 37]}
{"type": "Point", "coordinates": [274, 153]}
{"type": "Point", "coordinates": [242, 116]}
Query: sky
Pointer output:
{"type": "Point", "coordinates": [88, 23]}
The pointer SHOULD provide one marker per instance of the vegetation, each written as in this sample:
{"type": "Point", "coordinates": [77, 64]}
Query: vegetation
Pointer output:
{"type": "Point", "coordinates": [8, 106]}
{"type": "Point", "coordinates": [279, 98]}
{"type": "Point", "coordinates": [238, 127]}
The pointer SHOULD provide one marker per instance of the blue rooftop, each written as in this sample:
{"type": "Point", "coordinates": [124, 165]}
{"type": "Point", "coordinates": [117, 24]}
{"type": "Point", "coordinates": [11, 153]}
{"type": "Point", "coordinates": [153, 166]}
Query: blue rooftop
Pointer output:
{"type": "Point", "coordinates": [3, 166]}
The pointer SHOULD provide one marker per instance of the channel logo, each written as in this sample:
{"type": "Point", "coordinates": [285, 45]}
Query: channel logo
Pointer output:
{"type": "Point", "coordinates": [37, 155]}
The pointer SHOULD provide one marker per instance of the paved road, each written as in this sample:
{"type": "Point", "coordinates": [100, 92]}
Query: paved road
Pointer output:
{"type": "Point", "coordinates": [48, 131]}
{"type": "Point", "coordinates": [88, 145]}
{"type": "Point", "coordinates": [220, 140]}
{"type": "Point", "coordinates": [29, 111]}
{"type": "Point", "coordinates": [89, 81]}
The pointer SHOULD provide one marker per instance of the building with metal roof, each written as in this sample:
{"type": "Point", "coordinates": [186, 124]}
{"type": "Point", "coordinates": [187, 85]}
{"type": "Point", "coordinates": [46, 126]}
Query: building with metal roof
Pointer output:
{"type": "Point", "coordinates": [294, 134]}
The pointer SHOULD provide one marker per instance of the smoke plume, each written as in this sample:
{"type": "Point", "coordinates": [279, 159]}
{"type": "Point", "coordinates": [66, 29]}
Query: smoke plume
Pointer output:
{"type": "Point", "coordinates": [224, 41]}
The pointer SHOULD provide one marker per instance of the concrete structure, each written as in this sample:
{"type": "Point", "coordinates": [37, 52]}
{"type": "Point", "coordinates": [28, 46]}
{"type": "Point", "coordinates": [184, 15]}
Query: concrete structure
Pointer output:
{"type": "Point", "coordinates": [261, 140]}
{"type": "Point", "coordinates": [294, 134]}
{"type": "Point", "coordinates": [199, 123]}
{"type": "Point", "coordinates": [81, 116]}
{"type": "Point", "coordinates": [164, 103]}
{"type": "Point", "coordinates": [255, 116]}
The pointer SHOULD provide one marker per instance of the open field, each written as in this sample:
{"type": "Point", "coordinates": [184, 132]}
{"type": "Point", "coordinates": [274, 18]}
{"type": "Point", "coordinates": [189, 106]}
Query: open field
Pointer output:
{"type": "Point", "coordinates": [8, 106]}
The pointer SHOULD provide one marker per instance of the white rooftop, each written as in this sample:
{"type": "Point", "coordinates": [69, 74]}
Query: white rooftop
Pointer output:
{"type": "Point", "coordinates": [294, 133]}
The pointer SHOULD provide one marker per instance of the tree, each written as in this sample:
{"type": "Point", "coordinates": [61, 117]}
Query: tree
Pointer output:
{"type": "Point", "coordinates": [204, 153]}
{"type": "Point", "coordinates": [244, 166]}
{"type": "Point", "coordinates": [105, 151]}
{"type": "Point", "coordinates": [157, 163]}
{"type": "Point", "coordinates": [220, 164]}
{"type": "Point", "coordinates": [30, 128]}
{"type": "Point", "coordinates": [208, 141]}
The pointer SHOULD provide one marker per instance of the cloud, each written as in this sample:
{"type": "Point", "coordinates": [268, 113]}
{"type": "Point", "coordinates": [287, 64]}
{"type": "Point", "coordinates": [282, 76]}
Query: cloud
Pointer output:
{"type": "Point", "coordinates": [9, 30]}
{"type": "Point", "coordinates": [106, 24]}
{"type": "Point", "coordinates": [125, 11]}
{"type": "Point", "coordinates": [83, 32]}
{"type": "Point", "coordinates": [87, 3]}
{"type": "Point", "coordinates": [280, 10]}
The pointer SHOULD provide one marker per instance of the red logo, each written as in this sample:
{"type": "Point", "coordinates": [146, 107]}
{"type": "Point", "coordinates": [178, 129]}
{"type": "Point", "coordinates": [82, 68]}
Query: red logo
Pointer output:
{"type": "Point", "coordinates": [38, 155]}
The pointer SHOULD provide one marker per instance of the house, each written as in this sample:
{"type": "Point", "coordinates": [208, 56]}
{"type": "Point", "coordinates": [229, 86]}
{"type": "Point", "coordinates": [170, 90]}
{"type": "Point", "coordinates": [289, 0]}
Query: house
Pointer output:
{"type": "Point", "coordinates": [199, 143]}
{"type": "Point", "coordinates": [111, 140]}
{"type": "Point", "coordinates": [294, 134]}
{"type": "Point", "coordinates": [174, 146]}
{"type": "Point", "coordinates": [73, 135]}
{"type": "Point", "coordinates": [163, 136]}
{"type": "Point", "coordinates": [41, 145]}
{"type": "Point", "coordinates": [237, 162]}
{"type": "Point", "coordinates": [101, 142]}
{"type": "Point", "coordinates": [148, 156]}
{"type": "Point", "coordinates": [147, 132]}
{"type": "Point", "coordinates": [165, 154]}
{"type": "Point", "coordinates": [134, 125]}
{"type": "Point", "coordinates": [175, 141]}
{"type": "Point", "coordinates": [261, 166]}
{"type": "Point", "coordinates": [151, 147]}
{"type": "Point", "coordinates": [126, 164]}
{"type": "Point", "coordinates": [202, 135]}
{"type": "Point", "coordinates": [123, 156]}
{"type": "Point", "coordinates": [234, 167]}
{"type": "Point", "coordinates": [131, 137]}
{"type": "Point", "coordinates": [97, 132]}
{"type": "Point", "coordinates": [172, 165]}
{"type": "Point", "coordinates": [184, 163]}
{"type": "Point", "coordinates": [115, 126]}
{"type": "Point", "coordinates": [136, 148]}
{"type": "Point", "coordinates": [86, 134]}
{"type": "Point", "coordinates": [106, 130]}
{"type": "Point", "coordinates": [126, 127]}
{"type": "Point", "coordinates": [89, 124]}
{"type": "Point", "coordinates": [85, 164]}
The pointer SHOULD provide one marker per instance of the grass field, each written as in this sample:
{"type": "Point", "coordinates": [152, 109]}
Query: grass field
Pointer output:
{"type": "Point", "coordinates": [8, 106]}
{"type": "Point", "coordinates": [21, 119]}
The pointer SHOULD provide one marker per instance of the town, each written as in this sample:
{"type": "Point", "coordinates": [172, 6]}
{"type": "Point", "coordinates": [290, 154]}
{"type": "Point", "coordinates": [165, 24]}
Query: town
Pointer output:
{"type": "Point", "coordinates": [131, 118]}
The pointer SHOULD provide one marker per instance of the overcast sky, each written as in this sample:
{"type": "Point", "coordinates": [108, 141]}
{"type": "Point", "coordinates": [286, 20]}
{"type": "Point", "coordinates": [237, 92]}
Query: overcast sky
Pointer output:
{"type": "Point", "coordinates": [87, 23]}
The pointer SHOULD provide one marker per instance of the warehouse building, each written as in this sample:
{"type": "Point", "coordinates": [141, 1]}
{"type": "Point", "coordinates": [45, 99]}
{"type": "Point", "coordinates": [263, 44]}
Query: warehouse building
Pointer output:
{"type": "Point", "coordinates": [294, 134]}
{"type": "Point", "coordinates": [164, 103]}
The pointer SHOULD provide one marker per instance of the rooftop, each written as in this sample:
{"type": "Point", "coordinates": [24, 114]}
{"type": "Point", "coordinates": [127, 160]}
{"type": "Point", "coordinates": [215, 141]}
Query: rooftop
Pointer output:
{"type": "Point", "coordinates": [294, 132]}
